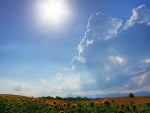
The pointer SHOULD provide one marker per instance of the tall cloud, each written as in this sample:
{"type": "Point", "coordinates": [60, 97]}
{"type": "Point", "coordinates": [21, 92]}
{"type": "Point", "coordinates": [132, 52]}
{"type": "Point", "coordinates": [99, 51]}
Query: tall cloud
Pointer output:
{"type": "Point", "coordinates": [100, 27]}
{"type": "Point", "coordinates": [108, 60]}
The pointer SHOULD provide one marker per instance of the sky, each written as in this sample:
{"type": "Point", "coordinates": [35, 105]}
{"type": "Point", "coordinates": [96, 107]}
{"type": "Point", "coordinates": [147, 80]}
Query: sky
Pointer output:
{"type": "Point", "coordinates": [74, 47]}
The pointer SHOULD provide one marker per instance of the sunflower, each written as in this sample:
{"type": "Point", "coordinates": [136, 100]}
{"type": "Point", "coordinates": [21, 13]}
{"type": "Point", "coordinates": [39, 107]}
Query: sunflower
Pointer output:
{"type": "Point", "coordinates": [61, 111]}
{"type": "Point", "coordinates": [106, 101]}
{"type": "Point", "coordinates": [48, 103]}
{"type": "Point", "coordinates": [97, 103]}
{"type": "Point", "coordinates": [18, 99]}
{"type": "Point", "coordinates": [34, 100]}
{"type": "Point", "coordinates": [74, 106]}
{"type": "Point", "coordinates": [19, 103]}
{"type": "Point", "coordinates": [64, 105]}
{"type": "Point", "coordinates": [55, 102]}
{"type": "Point", "coordinates": [86, 103]}
{"type": "Point", "coordinates": [135, 107]}
{"type": "Point", "coordinates": [118, 107]}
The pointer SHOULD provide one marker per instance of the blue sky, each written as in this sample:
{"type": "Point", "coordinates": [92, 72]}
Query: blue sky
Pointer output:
{"type": "Point", "coordinates": [97, 47]}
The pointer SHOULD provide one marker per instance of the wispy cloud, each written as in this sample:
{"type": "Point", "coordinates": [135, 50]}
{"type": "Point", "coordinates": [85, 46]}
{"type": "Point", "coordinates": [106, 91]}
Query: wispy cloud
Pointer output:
{"type": "Point", "coordinates": [102, 27]}
{"type": "Point", "coordinates": [139, 80]}
{"type": "Point", "coordinates": [140, 15]}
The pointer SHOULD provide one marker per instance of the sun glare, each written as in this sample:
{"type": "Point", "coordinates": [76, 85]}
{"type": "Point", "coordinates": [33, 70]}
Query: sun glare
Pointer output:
{"type": "Point", "coordinates": [53, 12]}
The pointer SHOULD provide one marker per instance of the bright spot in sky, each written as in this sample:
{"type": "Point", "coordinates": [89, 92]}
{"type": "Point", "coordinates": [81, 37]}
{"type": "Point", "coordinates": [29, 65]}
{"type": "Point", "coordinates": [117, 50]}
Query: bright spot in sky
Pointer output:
{"type": "Point", "coordinates": [53, 12]}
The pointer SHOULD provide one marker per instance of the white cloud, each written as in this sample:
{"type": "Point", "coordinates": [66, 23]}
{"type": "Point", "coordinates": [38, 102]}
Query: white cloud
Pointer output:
{"type": "Point", "coordinates": [102, 27]}
{"type": "Point", "coordinates": [77, 60]}
{"type": "Point", "coordinates": [146, 61]}
{"type": "Point", "coordinates": [81, 59]}
{"type": "Point", "coordinates": [89, 42]}
{"type": "Point", "coordinates": [80, 47]}
{"type": "Point", "coordinates": [139, 80]}
{"type": "Point", "coordinates": [100, 54]}
{"type": "Point", "coordinates": [140, 15]}
{"type": "Point", "coordinates": [99, 27]}
{"type": "Point", "coordinates": [117, 59]}
{"type": "Point", "coordinates": [83, 43]}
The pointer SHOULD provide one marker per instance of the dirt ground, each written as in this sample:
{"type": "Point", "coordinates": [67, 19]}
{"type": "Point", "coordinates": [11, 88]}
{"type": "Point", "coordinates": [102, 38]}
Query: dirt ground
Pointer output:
{"type": "Point", "coordinates": [119, 100]}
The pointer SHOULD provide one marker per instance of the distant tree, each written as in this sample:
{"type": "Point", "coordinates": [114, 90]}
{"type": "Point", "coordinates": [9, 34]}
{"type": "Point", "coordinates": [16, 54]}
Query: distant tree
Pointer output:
{"type": "Point", "coordinates": [59, 98]}
{"type": "Point", "coordinates": [48, 97]}
{"type": "Point", "coordinates": [85, 98]}
{"type": "Point", "coordinates": [70, 98]}
{"type": "Point", "coordinates": [78, 98]}
{"type": "Point", "coordinates": [131, 95]}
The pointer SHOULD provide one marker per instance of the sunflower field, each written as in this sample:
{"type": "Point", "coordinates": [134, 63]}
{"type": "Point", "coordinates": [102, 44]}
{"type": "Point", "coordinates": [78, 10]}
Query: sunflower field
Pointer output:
{"type": "Point", "coordinates": [40, 105]}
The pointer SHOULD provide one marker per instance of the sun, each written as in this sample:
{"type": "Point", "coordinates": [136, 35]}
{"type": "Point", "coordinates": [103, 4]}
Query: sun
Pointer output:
{"type": "Point", "coordinates": [53, 12]}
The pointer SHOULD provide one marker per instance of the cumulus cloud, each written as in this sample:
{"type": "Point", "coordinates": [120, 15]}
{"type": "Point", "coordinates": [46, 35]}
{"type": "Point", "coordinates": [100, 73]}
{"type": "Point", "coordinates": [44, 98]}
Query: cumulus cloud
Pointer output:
{"type": "Point", "coordinates": [140, 15]}
{"type": "Point", "coordinates": [108, 59]}
{"type": "Point", "coordinates": [100, 27]}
